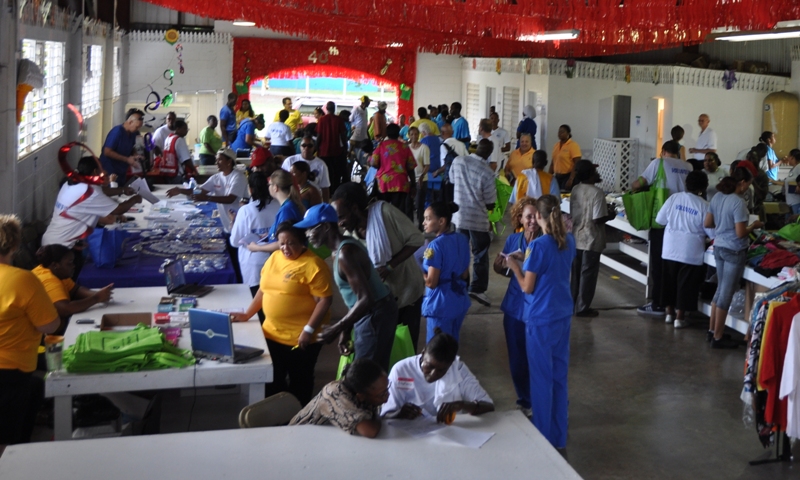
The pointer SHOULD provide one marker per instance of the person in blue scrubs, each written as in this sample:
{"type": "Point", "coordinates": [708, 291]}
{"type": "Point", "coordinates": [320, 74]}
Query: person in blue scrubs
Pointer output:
{"type": "Point", "coordinates": [282, 189]}
{"type": "Point", "coordinates": [513, 307]}
{"type": "Point", "coordinates": [446, 265]}
{"type": "Point", "coordinates": [117, 155]}
{"type": "Point", "coordinates": [544, 278]}
{"type": "Point", "coordinates": [227, 120]}
{"type": "Point", "coordinates": [459, 124]}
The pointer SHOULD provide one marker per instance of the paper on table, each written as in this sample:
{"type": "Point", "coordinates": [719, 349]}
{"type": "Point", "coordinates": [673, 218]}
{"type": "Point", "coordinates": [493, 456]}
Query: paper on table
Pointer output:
{"type": "Point", "coordinates": [419, 427]}
{"type": "Point", "coordinates": [465, 437]}
{"type": "Point", "coordinates": [140, 187]}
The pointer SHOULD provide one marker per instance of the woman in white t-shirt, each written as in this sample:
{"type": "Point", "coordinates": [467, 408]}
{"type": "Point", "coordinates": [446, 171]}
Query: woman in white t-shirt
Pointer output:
{"type": "Point", "coordinates": [711, 165]}
{"type": "Point", "coordinates": [683, 215]}
{"type": "Point", "coordinates": [792, 195]}
{"type": "Point", "coordinates": [253, 221]}
{"type": "Point", "coordinates": [435, 383]}
{"type": "Point", "coordinates": [423, 157]}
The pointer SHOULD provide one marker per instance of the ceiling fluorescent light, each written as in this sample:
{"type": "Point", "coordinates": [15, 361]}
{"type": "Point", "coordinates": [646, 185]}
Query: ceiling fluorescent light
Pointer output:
{"type": "Point", "coordinates": [244, 23]}
{"type": "Point", "coordinates": [759, 35]}
{"type": "Point", "coordinates": [554, 35]}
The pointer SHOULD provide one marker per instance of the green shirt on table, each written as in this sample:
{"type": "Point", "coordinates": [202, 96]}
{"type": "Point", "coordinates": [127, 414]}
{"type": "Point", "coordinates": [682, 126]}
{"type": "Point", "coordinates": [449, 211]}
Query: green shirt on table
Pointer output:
{"type": "Point", "coordinates": [211, 137]}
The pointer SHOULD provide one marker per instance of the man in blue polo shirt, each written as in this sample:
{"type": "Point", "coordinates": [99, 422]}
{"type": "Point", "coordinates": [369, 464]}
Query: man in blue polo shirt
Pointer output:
{"type": "Point", "coordinates": [117, 154]}
{"type": "Point", "coordinates": [227, 119]}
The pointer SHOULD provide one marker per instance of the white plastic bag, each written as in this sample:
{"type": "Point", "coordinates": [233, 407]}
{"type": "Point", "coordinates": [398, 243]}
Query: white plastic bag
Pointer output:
{"type": "Point", "coordinates": [737, 305]}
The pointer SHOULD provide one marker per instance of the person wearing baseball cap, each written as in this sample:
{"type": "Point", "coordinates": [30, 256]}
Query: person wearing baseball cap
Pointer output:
{"type": "Point", "coordinates": [359, 123]}
{"type": "Point", "coordinates": [372, 313]}
{"type": "Point", "coordinates": [225, 188]}
{"type": "Point", "coordinates": [261, 160]}
{"type": "Point", "coordinates": [378, 122]}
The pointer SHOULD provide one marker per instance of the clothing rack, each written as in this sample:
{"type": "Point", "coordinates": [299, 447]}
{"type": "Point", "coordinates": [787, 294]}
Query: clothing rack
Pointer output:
{"type": "Point", "coordinates": [783, 450]}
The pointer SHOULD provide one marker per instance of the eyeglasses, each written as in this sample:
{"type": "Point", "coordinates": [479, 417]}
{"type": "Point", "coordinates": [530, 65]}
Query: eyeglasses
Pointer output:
{"type": "Point", "coordinates": [307, 145]}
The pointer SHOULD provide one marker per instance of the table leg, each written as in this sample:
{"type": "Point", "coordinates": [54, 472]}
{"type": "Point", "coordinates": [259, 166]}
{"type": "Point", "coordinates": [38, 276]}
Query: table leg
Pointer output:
{"type": "Point", "coordinates": [255, 392]}
{"type": "Point", "coordinates": [62, 418]}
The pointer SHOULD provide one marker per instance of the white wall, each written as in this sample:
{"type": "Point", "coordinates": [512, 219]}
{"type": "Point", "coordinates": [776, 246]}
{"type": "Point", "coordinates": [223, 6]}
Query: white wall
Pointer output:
{"type": "Point", "coordinates": [438, 80]}
{"type": "Point", "coordinates": [735, 116]}
{"type": "Point", "coordinates": [490, 80]}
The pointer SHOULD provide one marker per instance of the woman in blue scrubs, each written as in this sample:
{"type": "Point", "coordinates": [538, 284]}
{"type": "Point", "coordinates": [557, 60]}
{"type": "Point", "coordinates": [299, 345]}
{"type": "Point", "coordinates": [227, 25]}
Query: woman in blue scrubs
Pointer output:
{"type": "Point", "coordinates": [446, 264]}
{"type": "Point", "coordinates": [544, 277]}
{"type": "Point", "coordinates": [524, 223]}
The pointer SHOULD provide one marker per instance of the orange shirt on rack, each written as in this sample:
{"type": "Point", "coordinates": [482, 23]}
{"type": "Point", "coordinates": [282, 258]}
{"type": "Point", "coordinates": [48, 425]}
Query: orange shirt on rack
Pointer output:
{"type": "Point", "coordinates": [773, 353]}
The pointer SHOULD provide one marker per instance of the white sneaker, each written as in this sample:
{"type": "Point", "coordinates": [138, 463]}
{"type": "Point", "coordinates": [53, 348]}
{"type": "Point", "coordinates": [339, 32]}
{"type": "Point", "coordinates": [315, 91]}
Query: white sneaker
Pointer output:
{"type": "Point", "coordinates": [481, 298]}
{"type": "Point", "coordinates": [669, 318]}
{"type": "Point", "coordinates": [681, 323]}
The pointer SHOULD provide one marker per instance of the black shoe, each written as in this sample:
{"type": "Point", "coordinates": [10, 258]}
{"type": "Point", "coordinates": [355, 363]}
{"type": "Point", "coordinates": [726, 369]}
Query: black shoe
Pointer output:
{"type": "Point", "coordinates": [710, 336]}
{"type": "Point", "coordinates": [725, 343]}
{"type": "Point", "coordinates": [589, 312]}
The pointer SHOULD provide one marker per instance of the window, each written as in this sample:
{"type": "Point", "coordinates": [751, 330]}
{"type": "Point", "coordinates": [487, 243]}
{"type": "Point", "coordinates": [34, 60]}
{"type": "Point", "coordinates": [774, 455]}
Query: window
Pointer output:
{"type": "Point", "coordinates": [92, 79]}
{"type": "Point", "coordinates": [42, 114]}
{"type": "Point", "coordinates": [117, 74]}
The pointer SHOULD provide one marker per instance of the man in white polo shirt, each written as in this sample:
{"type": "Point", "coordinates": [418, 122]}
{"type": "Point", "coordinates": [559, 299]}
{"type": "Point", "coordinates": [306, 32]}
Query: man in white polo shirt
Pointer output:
{"type": "Point", "coordinates": [316, 164]}
{"type": "Point", "coordinates": [706, 142]}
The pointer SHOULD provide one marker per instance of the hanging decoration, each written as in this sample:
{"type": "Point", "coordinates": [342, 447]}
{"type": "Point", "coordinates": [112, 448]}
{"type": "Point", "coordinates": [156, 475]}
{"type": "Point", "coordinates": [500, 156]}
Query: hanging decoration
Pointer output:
{"type": "Point", "coordinates": [386, 67]}
{"type": "Point", "coordinates": [78, 116]}
{"type": "Point", "coordinates": [656, 76]}
{"type": "Point", "coordinates": [149, 144]}
{"type": "Point", "coordinates": [179, 51]}
{"type": "Point", "coordinates": [171, 36]}
{"type": "Point", "coordinates": [627, 74]}
{"type": "Point", "coordinates": [297, 59]}
{"type": "Point", "coordinates": [498, 66]}
{"type": "Point", "coordinates": [405, 92]}
{"type": "Point", "coordinates": [729, 77]}
{"type": "Point", "coordinates": [569, 70]}
{"type": "Point", "coordinates": [496, 29]}
{"type": "Point", "coordinates": [474, 63]}
{"type": "Point", "coordinates": [151, 104]}
{"type": "Point", "coordinates": [528, 65]}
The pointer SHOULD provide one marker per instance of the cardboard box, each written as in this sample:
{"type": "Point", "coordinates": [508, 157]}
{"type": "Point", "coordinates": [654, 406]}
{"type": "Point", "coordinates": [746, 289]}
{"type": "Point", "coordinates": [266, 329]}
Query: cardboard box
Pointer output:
{"type": "Point", "coordinates": [114, 321]}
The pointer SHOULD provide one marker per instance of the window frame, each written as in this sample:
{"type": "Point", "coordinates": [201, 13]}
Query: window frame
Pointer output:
{"type": "Point", "coordinates": [92, 89]}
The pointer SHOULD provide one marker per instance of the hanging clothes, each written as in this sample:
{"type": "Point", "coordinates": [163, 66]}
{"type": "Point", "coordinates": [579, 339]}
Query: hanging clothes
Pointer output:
{"type": "Point", "coordinates": [773, 353]}
{"type": "Point", "coordinates": [790, 380]}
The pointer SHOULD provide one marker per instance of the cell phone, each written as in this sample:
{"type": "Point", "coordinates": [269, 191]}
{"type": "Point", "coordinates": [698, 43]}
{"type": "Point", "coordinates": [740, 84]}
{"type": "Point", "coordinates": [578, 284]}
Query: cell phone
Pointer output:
{"type": "Point", "coordinates": [84, 321]}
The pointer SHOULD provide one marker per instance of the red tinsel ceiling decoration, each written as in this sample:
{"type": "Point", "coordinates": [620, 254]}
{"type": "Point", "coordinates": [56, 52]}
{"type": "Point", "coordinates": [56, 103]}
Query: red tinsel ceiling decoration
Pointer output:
{"type": "Point", "coordinates": [255, 58]}
{"type": "Point", "coordinates": [492, 28]}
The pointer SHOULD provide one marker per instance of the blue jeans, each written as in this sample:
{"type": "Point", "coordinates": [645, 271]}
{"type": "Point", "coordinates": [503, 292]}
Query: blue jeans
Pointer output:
{"type": "Point", "coordinates": [730, 268]}
{"type": "Point", "coordinates": [479, 242]}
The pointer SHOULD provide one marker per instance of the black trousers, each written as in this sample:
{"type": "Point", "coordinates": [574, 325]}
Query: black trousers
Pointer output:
{"type": "Point", "coordinates": [337, 170]}
{"type": "Point", "coordinates": [656, 269]}
{"type": "Point", "coordinates": [583, 282]}
{"type": "Point", "coordinates": [293, 370]}
{"type": "Point", "coordinates": [21, 396]}
{"type": "Point", "coordinates": [681, 285]}
{"type": "Point", "coordinates": [253, 291]}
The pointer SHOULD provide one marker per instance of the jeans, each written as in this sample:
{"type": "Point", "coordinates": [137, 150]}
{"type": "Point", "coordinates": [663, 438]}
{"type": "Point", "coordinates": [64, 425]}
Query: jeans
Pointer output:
{"type": "Point", "coordinates": [374, 332]}
{"type": "Point", "coordinates": [206, 159]}
{"type": "Point", "coordinates": [253, 291]}
{"type": "Point", "coordinates": [730, 268]}
{"type": "Point", "coordinates": [293, 370]}
{"type": "Point", "coordinates": [480, 242]}
{"type": "Point", "coordinates": [583, 283]}
{"type": "Point", "coordinates": [285, 150]}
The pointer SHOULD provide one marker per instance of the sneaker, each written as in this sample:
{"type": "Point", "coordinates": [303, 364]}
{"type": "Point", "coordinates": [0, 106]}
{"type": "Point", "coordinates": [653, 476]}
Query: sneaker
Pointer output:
{"type": "Point", "coordinates": [684, 324]}
{"type": "Point", "coordinates": [481, 298]}
{"type": "Point", "coordinates": [669, 318]}
{"type": "Point", "coordinates": [725, 343]}
{"type": "Point", "coordinates": [525, 411]}
{"type": "Point", "coordinates": [588, 313]}
{"type": "Point", "coordinates": [651, 310]}
{"type": "Point", "coordinates": [710, 336]}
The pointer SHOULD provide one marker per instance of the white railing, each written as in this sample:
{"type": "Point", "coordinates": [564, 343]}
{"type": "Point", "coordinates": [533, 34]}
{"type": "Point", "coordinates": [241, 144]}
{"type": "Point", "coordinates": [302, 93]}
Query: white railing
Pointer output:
{"type": "Point", "coordinates": [185, 37]}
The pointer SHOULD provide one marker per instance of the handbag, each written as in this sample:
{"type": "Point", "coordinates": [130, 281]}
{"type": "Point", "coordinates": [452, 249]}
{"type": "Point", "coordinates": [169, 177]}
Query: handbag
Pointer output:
{"type": "Point", "coordinates": [791, 231]}
{"type": "Point", "coordinates": [660, 193]}
{"type": "Point", "coordinates": [106, 246]}
{"type": "Point", "coordinates": [402, 348]}
{"type": "Point", "coordinates": [639, 208]}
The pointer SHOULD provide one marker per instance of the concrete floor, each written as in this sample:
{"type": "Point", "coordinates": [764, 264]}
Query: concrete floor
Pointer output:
{"type": "Point", "coordinates": [646, 401]}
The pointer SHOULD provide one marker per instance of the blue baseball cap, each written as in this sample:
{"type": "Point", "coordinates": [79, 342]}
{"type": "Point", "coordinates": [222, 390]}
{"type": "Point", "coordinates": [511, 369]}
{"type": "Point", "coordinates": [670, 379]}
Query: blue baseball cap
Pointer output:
{"type": "Point", "coordinates": [317, 214]}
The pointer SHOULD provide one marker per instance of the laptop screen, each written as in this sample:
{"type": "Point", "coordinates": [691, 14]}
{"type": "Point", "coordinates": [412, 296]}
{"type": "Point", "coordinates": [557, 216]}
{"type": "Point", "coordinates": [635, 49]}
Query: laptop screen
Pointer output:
{"type": "Point", "coordinates": [173, 272]}
{"type": "Point", "coordinates": [211, 333]}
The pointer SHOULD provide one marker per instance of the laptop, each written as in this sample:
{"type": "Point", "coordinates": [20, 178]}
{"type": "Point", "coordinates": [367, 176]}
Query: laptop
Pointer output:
{"type": "Point", "coordinates": [212, 337]}
{"type": "Point", "coordinates": [176, 282]}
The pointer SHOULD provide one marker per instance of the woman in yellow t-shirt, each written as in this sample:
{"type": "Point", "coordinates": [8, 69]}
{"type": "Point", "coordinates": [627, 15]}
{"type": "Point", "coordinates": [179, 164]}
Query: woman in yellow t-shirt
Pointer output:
{"type": "Point", "coordinates": [566, 154]}
{"type": "Point", "coordinates": [25, 314]}
{"type": "Point", "coordinates": [245, 111]}
{"type": "Point", "coordinates": [295, 294]}
{"type": "Point", "coordinates": [56, 266]}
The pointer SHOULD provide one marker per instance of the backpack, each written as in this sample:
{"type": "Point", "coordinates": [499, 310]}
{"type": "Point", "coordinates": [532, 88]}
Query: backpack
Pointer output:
{"type": "Point", "coordinates": [447, 161]}
{"type": "Point", "coordinates": [167, 163]}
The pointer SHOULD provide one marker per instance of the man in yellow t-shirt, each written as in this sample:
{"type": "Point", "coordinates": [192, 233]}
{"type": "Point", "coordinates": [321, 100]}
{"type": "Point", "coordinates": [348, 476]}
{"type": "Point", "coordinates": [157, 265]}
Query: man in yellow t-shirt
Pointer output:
{"type": "Point", "coordinates": [294, 121]}
{"type": "Point", "coordinates": [521, 158]}
{"type": "Point", "coordinates": [25, 314]}
{"type": "Point", "coordinates": [566, 154]}
{"type": "Point", "coordinates": [423, 118]}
